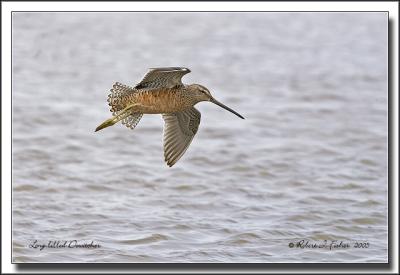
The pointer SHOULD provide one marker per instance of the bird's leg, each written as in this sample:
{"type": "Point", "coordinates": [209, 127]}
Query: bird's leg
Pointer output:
{"type": "Point", "coordinates": [124, 113]}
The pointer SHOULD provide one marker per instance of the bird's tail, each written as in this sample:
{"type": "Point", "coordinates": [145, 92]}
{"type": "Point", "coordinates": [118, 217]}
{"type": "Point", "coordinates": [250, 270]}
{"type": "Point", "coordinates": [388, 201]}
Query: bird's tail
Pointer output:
{"type": "Point", "coordinates": [117, 100]}
{"type": "Point", "coordinates": [119, 95]}
{"type": "Point", "coordinates": [129, 118]}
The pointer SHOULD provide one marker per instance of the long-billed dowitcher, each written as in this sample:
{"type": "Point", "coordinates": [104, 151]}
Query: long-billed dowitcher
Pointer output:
{"type": "Point", "coordinates": [161, 91]}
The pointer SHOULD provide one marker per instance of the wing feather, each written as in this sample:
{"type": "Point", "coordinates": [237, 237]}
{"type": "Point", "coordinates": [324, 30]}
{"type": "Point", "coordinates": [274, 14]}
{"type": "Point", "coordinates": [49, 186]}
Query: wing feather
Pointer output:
{"type": "Point", "coordinates": [179, 130]}
{"type": "Point", "coordinates": [167, 77]}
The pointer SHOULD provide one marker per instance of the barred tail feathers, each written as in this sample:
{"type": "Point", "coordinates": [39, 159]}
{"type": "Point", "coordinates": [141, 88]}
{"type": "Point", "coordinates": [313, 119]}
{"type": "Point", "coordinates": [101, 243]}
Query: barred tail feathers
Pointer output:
{"type": "Point", "coordinates": [132, 120]}
{"type": "Point", "coordinates": [118, 100]}
{"type": "Point", "coordinates": [119, 97]}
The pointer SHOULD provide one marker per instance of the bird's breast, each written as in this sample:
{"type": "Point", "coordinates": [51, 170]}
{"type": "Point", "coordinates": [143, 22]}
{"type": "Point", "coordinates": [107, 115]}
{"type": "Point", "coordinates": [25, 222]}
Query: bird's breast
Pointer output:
{"type": "Point", "coordinates": [162, 101]}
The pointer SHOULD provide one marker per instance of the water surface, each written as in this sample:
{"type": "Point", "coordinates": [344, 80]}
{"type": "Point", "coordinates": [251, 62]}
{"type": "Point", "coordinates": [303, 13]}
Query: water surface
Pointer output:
{"type": "Point", "coordinates": [308, 162]}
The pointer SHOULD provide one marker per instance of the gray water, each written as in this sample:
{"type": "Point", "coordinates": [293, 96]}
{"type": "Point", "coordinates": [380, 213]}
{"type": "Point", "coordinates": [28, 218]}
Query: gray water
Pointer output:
{"type": "Point", "coordinates": [309, 162]}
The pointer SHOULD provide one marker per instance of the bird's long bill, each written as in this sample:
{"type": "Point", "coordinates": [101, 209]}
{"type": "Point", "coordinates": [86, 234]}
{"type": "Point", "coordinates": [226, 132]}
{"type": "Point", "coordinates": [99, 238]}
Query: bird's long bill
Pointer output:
{"type": "Point", "coordinates": [225, 107]}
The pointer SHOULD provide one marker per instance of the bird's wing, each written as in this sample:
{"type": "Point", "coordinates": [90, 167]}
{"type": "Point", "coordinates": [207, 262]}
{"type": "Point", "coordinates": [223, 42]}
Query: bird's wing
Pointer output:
{"type": "Point", "coordinates": [167, 77]}
{"type": "Point", "coordinates": [179, 130]}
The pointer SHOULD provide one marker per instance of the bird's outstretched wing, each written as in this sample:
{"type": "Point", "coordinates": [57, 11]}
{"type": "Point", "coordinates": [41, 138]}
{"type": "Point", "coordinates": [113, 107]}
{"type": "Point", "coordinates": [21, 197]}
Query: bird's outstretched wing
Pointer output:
{"type": "Point", "coordinates": [167, 77]}
{"type": "Point", "coordinates": [179, 130]}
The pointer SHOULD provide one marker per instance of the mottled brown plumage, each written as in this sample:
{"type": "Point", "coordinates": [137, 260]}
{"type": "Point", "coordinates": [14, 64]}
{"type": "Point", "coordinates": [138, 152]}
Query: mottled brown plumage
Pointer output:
{"type": "Point", "coordinates": [162, 92]}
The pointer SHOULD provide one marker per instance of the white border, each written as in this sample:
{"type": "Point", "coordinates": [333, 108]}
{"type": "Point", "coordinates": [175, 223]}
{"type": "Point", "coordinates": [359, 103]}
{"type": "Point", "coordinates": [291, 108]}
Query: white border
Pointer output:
{"type": "Point", "coordinates": [8, 7]}
{"type": "Point", "coordinates": [203, 6]}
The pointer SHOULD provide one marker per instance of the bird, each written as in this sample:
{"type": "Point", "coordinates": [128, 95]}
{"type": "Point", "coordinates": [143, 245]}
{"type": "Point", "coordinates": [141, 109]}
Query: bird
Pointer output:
{"type": "Point", "coordinates": [161, 91]}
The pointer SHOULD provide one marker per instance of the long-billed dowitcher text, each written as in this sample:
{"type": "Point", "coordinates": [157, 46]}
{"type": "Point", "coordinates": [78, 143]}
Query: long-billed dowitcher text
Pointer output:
{"type": "Point", "coordinates": [161, 91]}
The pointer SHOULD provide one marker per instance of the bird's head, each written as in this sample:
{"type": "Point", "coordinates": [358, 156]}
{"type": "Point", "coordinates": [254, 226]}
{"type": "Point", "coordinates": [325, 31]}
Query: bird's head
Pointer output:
{"type": "Point", "coordinates": [201, 93]}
